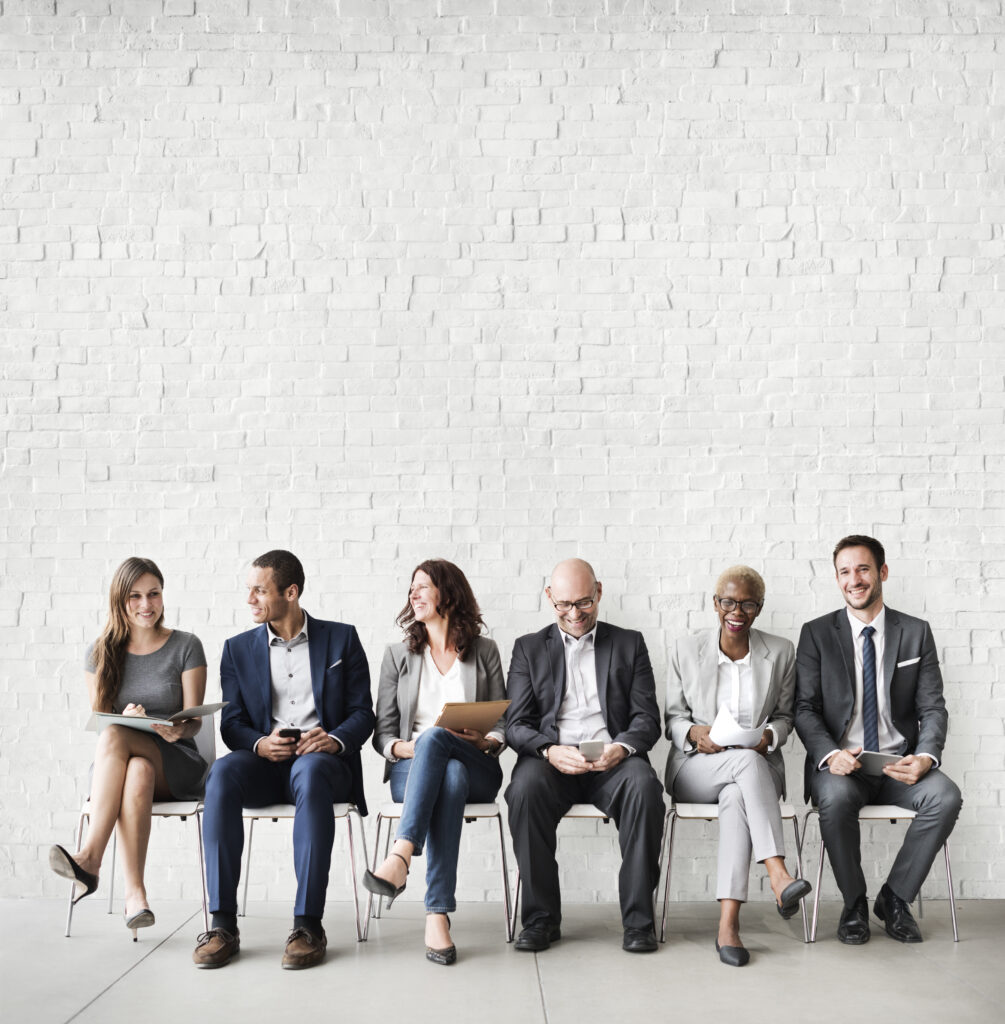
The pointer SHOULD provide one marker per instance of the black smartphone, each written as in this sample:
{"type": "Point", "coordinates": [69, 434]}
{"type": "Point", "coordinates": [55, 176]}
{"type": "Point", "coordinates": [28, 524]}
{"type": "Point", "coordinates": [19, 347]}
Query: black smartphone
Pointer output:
{"type": "Point", "coordinates": [289, 734]}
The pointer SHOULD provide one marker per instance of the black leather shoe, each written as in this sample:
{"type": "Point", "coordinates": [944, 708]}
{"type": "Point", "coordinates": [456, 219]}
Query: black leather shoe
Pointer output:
{"type": "Point", "coordinates": [537, 937]}
{"type": "Point", "coordinates": [640, 940]}
{"type": "Point", "coordinates": [896, 916]}
{"type": "Point", "coordinates": [732, 956]}
{"type": "Point", "coordinates": [853, 929]}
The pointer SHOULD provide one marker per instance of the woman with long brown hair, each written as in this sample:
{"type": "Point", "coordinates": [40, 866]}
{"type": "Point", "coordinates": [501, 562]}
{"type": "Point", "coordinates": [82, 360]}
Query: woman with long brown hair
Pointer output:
{"type": "Point", "coordinates": [443, 658]}
{"type": "Point", "coordinates": [137, 666]}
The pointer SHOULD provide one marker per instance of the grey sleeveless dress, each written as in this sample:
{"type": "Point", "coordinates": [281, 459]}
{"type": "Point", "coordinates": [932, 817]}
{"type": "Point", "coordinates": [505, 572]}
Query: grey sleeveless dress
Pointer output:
{"type": "Point", "coordinates": [154, 680]}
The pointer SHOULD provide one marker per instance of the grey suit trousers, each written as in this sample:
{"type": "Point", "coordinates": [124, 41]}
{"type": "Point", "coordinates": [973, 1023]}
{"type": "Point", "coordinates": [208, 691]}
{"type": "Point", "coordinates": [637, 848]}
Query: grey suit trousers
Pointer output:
{"type": "Point", "coordinates": [747, 789]}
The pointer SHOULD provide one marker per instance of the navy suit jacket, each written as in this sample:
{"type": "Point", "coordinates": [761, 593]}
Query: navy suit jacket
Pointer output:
{"type": "Point", "coordinates": [625, 683]}
{"type": "Point", "coordinates": [825, 685]}
{"type": "Point", "coordinates": [340, 679]}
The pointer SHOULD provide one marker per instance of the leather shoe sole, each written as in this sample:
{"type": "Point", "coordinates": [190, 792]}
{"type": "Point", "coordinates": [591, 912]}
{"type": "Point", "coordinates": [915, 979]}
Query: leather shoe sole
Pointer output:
{"type": "Point", "coordinates": [536, 939]}
{"type": "Point", "coordinates": [791, 895]}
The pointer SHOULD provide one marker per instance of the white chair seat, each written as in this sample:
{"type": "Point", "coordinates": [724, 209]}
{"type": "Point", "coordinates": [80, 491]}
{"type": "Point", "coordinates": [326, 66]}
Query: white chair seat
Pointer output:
{"type": "Point", "coordinates": [391, 811]}
{"type": "Point", "coordinates": [710, 812]}
{"type": "Point", "coordinates": [881, 812]}
{"type": "Point", "coordinates": [275, 812]}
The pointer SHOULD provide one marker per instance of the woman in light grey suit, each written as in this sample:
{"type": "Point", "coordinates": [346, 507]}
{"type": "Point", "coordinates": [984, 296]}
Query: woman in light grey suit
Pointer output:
{"type": "Point", "coordinates": [750, 675]}
{"type": "Point", "coordinates": [435, 771]}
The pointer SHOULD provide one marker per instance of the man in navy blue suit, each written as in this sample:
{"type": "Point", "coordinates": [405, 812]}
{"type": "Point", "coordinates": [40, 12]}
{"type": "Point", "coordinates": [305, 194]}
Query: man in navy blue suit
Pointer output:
{"type": "Point", "coordinates": [308, 678]}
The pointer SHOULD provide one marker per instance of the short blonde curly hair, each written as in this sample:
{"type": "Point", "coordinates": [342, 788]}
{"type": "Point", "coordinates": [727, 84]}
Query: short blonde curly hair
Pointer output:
{"type": "Point", "coordinates": [741, 574]}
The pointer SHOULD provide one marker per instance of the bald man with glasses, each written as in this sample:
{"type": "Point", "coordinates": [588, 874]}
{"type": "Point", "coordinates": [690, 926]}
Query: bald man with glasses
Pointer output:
{"type": "Point", "coordinates": [583, 681]}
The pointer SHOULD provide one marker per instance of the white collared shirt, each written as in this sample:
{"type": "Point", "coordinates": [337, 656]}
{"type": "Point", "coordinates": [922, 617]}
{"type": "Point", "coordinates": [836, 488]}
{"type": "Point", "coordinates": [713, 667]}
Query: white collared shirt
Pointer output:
{"type": "Point", "coordinates": [734, 687]}
{"type": "Point", "coordinates": [292, 691]}
{"type": "Point", "coordinates": [580, 716]}
{"type": "Point", "coordinates": [436, 688]}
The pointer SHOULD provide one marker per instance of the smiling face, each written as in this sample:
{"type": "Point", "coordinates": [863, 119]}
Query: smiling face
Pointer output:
{"type": "Point", "coordinates": [424, 597]}
{"type": "Point", "coordinates": [861, 581]}
{"type": "Point", "coordinates": [265, 600]}
{"type": "Point", "coordinates": [144, 606]}
{"type": "Point", "coordinates": [573, 584]}
{"type": "Point", "coordinates": [736, 622]}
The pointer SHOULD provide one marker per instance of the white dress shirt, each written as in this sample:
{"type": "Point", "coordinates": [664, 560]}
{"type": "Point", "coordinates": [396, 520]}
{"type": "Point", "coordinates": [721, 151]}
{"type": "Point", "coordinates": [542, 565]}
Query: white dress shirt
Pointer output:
{"type": "Point", "coordinates": [734, 687]}
{"type": "Point", "coordinates": [580, 716]}
{"type": "Point", "coordinates": [436, 688]}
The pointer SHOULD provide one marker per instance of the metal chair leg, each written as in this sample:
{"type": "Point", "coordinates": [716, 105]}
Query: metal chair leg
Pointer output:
{"type": "Point", "coordinates": [369, 897]}
{"type": "Point", "coordinates": [111, 873]}
{"type": "Point", "coordinates": [80, 839]}
{"type": "Point", "coordinates": [952, 897]}
{"type": "Point", "coordinates": [799, 874]}
{"type": "Point", "coordinates": [352, 866]}
{"type": "Point", "coordinates": [247, 866]}
{"type": "Point", "coordinates": [202, 870]}
{"type": "Point", "coordinates": [672, 818]}
{"type": "Point", "coordinates": [820, 872]}
{"type": "Point", "coordinates": [516, 903]}
{"type": "Point", "coordinates": [387, 848]}
{"type": "Point", "coordinates": [505, 880]}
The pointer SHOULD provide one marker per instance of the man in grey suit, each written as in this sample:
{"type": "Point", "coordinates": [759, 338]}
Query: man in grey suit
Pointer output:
{"type": "Point", "coordinates": [867, 678]}
{"type": "Point", "coordinates": [576, 681]}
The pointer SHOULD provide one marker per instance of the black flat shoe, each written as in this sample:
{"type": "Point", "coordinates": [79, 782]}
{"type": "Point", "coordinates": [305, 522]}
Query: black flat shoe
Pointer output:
{"type": "Point", "coordinates": [791, 895]}
{"type": "Point", "coordinates": [732, 956]}
{"type": "Point", "coordinates": [640, 940]}
{"type": "Point", "coordinates": [66, 867]}
{"type": "Point", "coordinates": [382, 887]}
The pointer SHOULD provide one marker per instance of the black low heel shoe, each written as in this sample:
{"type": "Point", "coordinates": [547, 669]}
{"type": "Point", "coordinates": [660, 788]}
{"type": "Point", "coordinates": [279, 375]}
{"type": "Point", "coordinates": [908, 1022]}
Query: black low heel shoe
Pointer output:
{"type": "Point", "coordinates": [66, 867]}
{"type": "Point", "coordinates": [791, 895]}
{"type": "Point", "coordinates": [381, 886]}
{"type": "Point", "coordinates": [732, 956]}
{"type": "Point", "coordinates": [446, 957]}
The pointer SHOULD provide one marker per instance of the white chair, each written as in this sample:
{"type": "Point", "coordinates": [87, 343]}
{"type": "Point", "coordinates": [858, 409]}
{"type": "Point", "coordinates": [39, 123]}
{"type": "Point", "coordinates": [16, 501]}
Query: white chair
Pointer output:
{"type": "Point", "coordinates": [710, 812]}
{"type": "Point", "coordinates": [872, 813]}
{"type": "Point", "coordinates": [391, 812]}
{"type": "Point", "coordinates": [205, 740]}
{"type": "Point", "coordinates": [575, 811]}
{"type": "Point", "coordinates": [277, 811]}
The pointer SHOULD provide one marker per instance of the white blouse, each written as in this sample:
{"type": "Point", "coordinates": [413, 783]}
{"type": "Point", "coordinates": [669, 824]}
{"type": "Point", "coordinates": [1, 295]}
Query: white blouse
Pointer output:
{"type": "Point", "coordinates": [435, 690]}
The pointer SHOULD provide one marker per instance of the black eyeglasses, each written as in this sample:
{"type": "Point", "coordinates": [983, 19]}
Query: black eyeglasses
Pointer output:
{"type": "Point", "coordinates": [584, 604]}
{"type": "Point", "coordinates": [727, 604]}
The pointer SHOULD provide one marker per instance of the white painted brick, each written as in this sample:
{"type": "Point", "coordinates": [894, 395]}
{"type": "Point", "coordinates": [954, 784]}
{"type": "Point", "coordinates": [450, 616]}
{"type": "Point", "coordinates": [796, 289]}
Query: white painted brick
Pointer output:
{"type": "Point", "coordinates": [501, 282]}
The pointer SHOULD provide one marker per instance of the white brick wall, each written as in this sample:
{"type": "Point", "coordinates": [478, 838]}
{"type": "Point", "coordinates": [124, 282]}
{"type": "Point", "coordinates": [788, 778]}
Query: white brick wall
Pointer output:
{"type": "Point", "coordinates": [665, 285]}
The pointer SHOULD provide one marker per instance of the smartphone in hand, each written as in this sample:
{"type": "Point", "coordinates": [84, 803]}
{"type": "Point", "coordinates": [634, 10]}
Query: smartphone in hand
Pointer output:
{"type": "Point", "coordinates": [290, 734]}
{"type": "Point", "coordinates": [592, 750]}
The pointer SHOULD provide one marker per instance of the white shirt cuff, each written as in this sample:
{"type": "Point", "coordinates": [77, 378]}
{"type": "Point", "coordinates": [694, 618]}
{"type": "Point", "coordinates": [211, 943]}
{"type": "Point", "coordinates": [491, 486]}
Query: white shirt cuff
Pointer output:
{"type": "Point", "coordinates": [341, 745]}
{"type": "Point", "coordinates": [774, 739]}
{"type": "Point", "coordinates": [925, 753]}
{"type": "Point", "coordinates": [388, 747]}
{"type": "Point", "coordinates": [628, 750]}
{"type": "Point", "coordinates": [823, 763]}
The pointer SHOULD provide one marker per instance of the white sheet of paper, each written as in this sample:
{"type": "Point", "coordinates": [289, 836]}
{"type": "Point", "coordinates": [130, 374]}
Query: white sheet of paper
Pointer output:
{"type": "Point", "coordinates": [726, 733]}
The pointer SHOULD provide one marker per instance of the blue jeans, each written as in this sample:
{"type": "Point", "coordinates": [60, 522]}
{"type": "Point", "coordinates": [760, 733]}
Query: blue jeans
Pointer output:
{"type": "Point", "coordinates": [445, 774]}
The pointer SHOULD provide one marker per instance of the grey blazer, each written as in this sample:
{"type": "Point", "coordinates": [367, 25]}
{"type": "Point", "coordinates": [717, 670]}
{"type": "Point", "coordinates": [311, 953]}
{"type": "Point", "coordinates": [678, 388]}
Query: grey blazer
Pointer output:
{"type": "Point", "coordinates": [401, 676]}
{"type": "Point", "coordinates": [691, 685]}
{"type": "Point", "coordinates": [825, 673]}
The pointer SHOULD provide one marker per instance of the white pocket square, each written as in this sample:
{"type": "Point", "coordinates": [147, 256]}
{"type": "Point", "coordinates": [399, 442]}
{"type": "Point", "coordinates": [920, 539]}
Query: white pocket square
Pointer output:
{"type": "Point", "coordinates": [910, 661]}
{"type": "Point", "coordinates": [339, 662]}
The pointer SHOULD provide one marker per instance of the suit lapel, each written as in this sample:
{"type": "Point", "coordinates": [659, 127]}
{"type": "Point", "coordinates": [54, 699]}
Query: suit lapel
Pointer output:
{"type": "Point", "coordinates": [891, 648]}
{"type": "Point", "coordinates": [317, 646]}
{"type": "Point", "coordinates": [413, 668]}
{"type": "Point", "coordinates": [556, 654]}
{"type": "Point", "coordinates": [602, 661]}
{"type": "Point", "coordinates": [760, 667]}
{"type": "Point", "coordinates": [847, 648]}
{"type": "Point", "coordinates": [469, 676]}
{"type": "Point", "coordinates": [708, 658]}
{"type": "Point", "coordinates": [263, 674]}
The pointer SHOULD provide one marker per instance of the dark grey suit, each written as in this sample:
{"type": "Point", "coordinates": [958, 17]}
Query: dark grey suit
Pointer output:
{"type": "Point", "coordinates": [825, 703]}
{"type": "Point", "coordinates": [538, 794]}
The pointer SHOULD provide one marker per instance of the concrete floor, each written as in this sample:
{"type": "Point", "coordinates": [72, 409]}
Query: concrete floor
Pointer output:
{"type": "Point", "coordinates": [100, 975]}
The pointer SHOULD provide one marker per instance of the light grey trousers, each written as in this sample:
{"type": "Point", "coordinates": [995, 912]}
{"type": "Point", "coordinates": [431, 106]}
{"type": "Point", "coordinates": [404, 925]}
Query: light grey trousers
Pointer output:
{"type": "Point", "coordinates": [747, 789]}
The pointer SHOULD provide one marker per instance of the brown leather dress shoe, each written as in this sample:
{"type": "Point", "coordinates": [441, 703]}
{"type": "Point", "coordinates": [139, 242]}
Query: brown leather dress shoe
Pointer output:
{"type": "Point", "coordinates": [215, 948]}
{"type": "Point", "coordinates": [304, 949]}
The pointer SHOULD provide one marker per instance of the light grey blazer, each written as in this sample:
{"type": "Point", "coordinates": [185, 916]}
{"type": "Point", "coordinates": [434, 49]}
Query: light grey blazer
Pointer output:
{"type": "Point", "coordinates": [691, 684]}
{"type": "Point", "coordinates": [401, 676]}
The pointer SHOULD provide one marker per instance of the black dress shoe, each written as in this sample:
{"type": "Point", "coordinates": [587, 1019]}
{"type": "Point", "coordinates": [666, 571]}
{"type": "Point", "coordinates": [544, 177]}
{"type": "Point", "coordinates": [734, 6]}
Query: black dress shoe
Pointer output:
{"type": "Point", "coordinates": [791, 895]}
{"type": "Point", "coordinates": [853, 930]}
{"type": "Point", "coordinates": [732, 956]}
{"type": "Point", "coordinates": [65, 866]}
{"type": "Point", "coordinates": [537, 937]}
{"type": "Point", "coordinates": [896, 916]}
{"type": "Point", "coordinates": [640, 940]}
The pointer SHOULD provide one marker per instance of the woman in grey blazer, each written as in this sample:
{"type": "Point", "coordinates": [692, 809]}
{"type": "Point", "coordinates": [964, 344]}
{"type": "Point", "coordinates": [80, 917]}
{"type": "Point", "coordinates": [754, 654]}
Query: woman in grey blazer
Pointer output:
{"type": "Point", "coordinates": [432, 770]}
{"type": "Point", "coordinates": [747, 679]}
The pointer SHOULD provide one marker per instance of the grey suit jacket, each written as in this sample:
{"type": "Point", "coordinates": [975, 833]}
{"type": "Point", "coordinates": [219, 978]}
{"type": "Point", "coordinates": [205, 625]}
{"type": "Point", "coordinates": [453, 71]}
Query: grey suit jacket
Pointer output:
{"type": "Point", "coordinates": [625, 685]}
{"type": "Point", "coordinates": [401, 676]}
{"type": "Point", "coordinates": [825, 685]}
{"type": "Point", "coordinates": [691, 684]}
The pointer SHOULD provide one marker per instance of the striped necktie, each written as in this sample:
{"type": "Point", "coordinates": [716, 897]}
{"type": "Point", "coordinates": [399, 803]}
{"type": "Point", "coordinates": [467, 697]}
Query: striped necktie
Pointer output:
{"type": "Point", "coordinates": [870, 713]}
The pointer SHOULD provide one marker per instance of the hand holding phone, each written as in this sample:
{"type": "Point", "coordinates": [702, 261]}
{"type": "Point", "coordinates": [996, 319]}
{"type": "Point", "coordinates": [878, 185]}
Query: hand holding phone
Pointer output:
{"type": "Point", "coordinates": [290, 734]}
{"type": "Point", "coordinates": [592, 749]}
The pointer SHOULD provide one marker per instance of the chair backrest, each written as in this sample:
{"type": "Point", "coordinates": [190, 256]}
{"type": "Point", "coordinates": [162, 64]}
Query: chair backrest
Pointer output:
{"type": "Point", "coordinates": [205, 741]}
